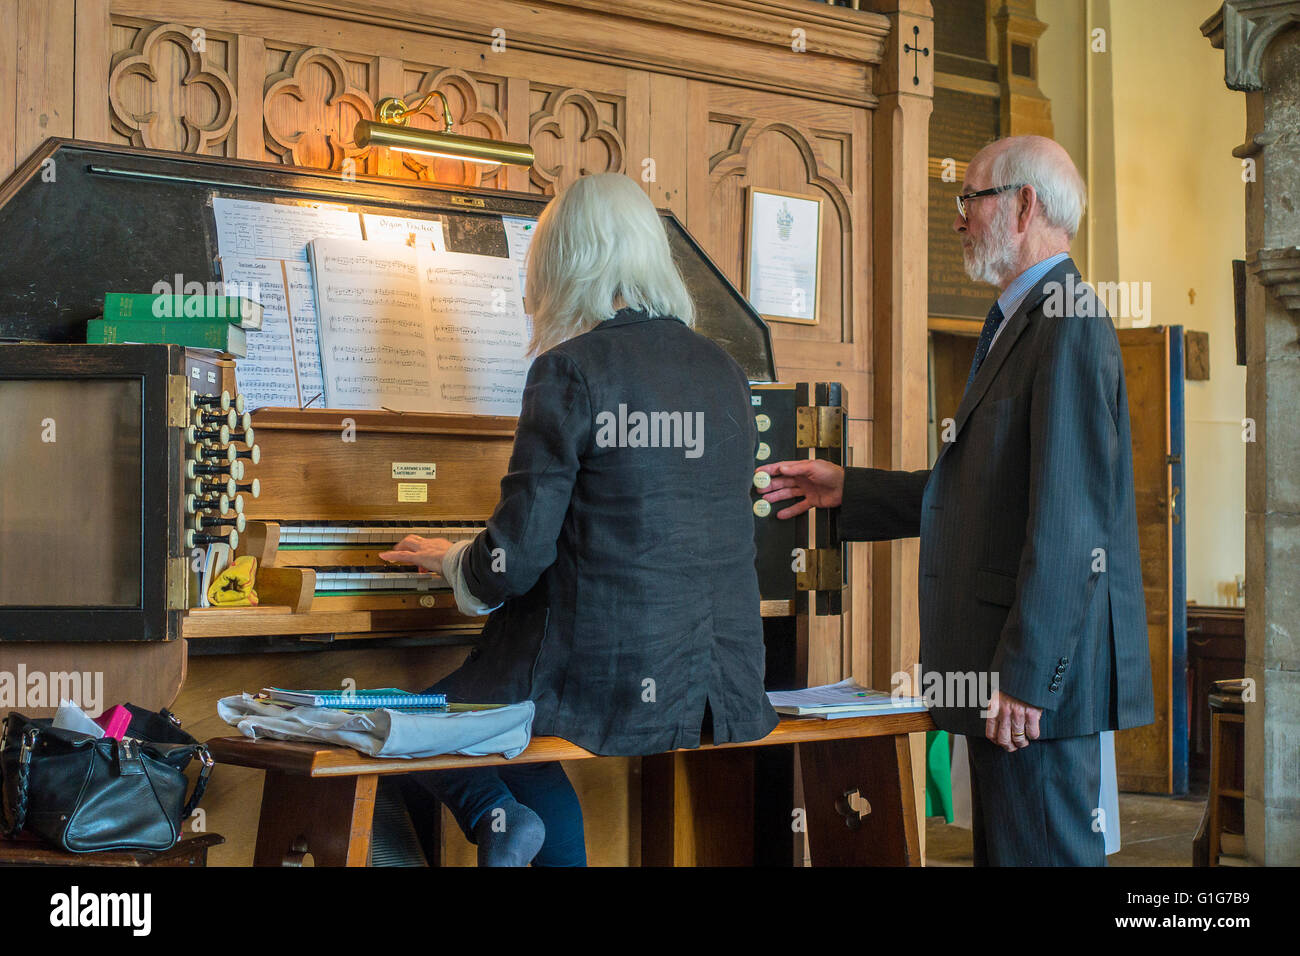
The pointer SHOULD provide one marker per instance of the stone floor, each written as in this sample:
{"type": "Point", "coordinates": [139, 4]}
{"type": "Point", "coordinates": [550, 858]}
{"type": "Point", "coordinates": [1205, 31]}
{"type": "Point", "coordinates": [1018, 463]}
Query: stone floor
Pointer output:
{"type": "Point", "coordinates": [1155, 831]}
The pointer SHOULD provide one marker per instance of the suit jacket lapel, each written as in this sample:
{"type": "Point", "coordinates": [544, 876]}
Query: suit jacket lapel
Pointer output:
{"type": "Point", "coordinates": [1003, 346]}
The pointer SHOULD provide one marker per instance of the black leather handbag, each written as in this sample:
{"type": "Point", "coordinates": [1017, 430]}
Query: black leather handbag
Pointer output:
{"type": "Point", "coordinates": [84, 794]}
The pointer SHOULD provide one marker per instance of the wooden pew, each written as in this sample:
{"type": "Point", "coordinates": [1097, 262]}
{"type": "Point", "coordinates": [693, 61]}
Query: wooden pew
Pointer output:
{"type": "Point", "coordinates": [859, 807]}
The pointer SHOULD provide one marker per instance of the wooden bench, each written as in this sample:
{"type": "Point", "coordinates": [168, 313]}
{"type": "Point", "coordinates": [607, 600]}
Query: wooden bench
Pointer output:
{"type": "Point", "coordinates": [190, 850]}
{"type": "Point", "coordinates": [697, 805]}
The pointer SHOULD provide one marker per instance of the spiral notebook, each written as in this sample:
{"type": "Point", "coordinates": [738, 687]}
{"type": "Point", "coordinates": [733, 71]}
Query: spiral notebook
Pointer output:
{"type": "Point", "coordinates": [389, 697]}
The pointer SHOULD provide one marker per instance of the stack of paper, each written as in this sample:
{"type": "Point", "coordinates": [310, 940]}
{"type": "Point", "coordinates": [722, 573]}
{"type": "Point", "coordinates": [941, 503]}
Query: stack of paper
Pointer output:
{"type": "Point", "coordinates": [845, 699]}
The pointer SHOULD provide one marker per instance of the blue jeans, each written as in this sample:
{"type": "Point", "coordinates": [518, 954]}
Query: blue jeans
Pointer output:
{"type": "Point", "coordinates": [542, 787]}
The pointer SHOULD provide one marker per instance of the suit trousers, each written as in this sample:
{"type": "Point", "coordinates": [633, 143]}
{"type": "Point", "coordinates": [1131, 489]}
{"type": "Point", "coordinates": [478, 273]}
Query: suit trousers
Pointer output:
{"type": "Point", "coordinates": [1037, 806]}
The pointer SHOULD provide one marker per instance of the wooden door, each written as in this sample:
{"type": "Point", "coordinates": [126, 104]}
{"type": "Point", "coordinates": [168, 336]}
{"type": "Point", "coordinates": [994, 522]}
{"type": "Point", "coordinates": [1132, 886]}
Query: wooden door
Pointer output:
{"type": "Point", "coordinates": [1150, 759]}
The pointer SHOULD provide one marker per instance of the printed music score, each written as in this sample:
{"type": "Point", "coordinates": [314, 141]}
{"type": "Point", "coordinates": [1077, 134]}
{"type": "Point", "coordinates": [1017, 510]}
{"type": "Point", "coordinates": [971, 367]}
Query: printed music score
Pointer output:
{"type": "Point", "coordinates": [265, 230]}
{"type": "Point", "coordinates": [266, 244]}
{"type": "Point", "coordinates": [387, 310]}
{"type": "Point", "coordinates": [373, 337]}
{"type": "Point", "coordinates": [479, 331]}
{"type": "Point", "coordinates": [268, 375]}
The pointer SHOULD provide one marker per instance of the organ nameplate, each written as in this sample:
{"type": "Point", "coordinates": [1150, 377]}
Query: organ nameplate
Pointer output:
{"type": "Point", "coordinates": [412, 491]}
{"type": "Point", "coordinates": [415, 469]}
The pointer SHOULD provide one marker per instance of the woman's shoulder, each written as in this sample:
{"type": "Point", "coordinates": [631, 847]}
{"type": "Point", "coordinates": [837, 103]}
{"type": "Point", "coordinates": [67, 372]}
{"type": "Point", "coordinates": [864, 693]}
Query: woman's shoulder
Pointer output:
{"type": "Point", "coordinates": [647, 339]}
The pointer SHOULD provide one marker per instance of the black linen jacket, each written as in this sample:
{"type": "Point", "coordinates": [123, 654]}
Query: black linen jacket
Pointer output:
{"type": "Point", "coordinates": [626, 570]}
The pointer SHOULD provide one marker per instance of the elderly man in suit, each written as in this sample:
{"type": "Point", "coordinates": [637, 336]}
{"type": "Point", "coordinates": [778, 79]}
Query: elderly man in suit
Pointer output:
{"type": "Point", "coordinates": [1030, 581]}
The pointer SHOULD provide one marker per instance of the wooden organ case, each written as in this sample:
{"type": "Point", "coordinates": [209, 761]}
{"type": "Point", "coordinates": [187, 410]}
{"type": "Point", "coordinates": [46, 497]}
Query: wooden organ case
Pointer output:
{"type": "Point", "coordinates": [328, 480]}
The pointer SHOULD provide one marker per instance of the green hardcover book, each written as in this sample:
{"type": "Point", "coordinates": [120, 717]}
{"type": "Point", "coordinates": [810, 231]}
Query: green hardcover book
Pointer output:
{"type": "Point", "coordinates": [133, 306]}
{"type": "Point", "coordinates": [192, 333]}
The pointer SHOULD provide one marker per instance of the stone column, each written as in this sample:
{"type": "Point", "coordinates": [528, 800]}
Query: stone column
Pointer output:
{"type": "Point", "coordinates": [1261, 44]}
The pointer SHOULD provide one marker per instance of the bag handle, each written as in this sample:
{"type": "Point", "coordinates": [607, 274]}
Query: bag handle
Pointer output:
{"type": "Point", "coordinates": [24, 776]}
{"type": "Point", "coordinates": [201, 784]}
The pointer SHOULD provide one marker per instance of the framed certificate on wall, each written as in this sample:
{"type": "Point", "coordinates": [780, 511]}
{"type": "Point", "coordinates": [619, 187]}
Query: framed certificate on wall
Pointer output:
{"type": "Point", "coordinates": [783, 255]}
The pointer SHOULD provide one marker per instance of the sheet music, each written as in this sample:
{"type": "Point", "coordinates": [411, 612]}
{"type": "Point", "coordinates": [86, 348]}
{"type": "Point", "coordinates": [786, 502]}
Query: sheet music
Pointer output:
{"type": "Point", "coordinates": [419, 330]}
{"type": "Point", "coordinates": [267, 375]}
{"type": "Point", "coordinates": [408, 232]}
{"type": "Point", "coordinates": [479, 333]}
{"type": "Point", "coordinates": [267, 230]}
{"type": "Point", "coordinates": [373, 335]}
{"type": "Point", "coordinates": [266, 243]}
{"type": "Point", "coordinates": [306, 338]}
{"type": "Point", "coordinates": [519, 236]}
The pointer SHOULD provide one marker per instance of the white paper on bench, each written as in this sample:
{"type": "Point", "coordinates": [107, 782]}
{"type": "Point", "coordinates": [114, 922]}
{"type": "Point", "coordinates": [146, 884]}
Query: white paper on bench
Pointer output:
{"type": "Point", "coordinates": [386, 733]}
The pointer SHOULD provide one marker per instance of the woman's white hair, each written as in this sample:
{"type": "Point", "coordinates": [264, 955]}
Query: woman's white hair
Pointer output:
{"type": "Point", "coordinates": [599, 240]}
{"type": "Point", "coordinates": [1043, 164]}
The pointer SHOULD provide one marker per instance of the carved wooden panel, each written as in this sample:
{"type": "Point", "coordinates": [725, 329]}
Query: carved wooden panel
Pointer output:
{"type": "Point", "coordinates": [311, 104]}
{"type": "Point", "coordinates": [788, 157]}
{"type": "Point", "coordinates": [475, 103]}
{"type": "Point", "coordinates": [574, 133]}
{"type": "Point", "coordinates": [168, 87]}
{"type": "Point", "coordinates": [753, 139]}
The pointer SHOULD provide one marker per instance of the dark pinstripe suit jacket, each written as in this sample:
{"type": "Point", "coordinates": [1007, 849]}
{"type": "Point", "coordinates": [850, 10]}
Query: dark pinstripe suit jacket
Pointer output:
{"type": "Point", "coordinates": [1029, 550]}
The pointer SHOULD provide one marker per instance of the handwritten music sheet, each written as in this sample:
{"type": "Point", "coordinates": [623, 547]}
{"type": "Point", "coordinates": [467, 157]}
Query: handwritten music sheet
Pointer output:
{"type": "Point", "coordinates": [373, 334]}
{"type": "Point", "coordinates": [479, 333]}
{"type": "Point", "coordinates": [410, 232]}
{"type": "Point", "coordinates": [263, 248]}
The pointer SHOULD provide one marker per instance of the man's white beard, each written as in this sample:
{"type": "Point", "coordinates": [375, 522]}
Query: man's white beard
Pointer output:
{"type": "Point", "coordinates": [993, 259]}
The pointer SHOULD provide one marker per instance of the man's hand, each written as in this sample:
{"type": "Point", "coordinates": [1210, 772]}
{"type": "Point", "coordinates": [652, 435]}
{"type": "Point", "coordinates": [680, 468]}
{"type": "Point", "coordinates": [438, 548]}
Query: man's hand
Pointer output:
{"type": "Point", "coordinates": [819, 483]}
{"type": "Point", "coordinates": [1011, 723]}
{"type": "Point", "coordinates": [425, 552]}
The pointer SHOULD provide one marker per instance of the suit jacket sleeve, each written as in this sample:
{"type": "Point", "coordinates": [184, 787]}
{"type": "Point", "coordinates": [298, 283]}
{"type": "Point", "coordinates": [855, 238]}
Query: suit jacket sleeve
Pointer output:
{"type": "Point", "coordinates": [880, 505]}
{"type": "Point", "coordinates": [1074, 453]}
{"type": "Point", "coordinates": [519, 543]}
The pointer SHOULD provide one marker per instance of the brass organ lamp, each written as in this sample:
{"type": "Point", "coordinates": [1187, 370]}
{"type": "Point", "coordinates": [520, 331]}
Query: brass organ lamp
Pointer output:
{"type": "Point", "coordinates": [389, 128]}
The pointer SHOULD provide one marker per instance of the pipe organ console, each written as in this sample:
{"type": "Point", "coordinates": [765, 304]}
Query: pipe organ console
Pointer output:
{"type": "Point", "coordinates": [169, 458]}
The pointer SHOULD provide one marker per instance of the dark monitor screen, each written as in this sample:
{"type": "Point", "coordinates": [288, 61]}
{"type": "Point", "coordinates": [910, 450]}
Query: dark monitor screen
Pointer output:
{"type": "Point", "coordinates": [70, 508]}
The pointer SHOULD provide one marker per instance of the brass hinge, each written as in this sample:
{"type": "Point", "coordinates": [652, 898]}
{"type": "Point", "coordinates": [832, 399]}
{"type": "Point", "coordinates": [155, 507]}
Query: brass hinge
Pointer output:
{"type": "Point", "coordinates": [178, 401]}
{"type": "Point", "coordinates": [178, 583]}
{"type": "Point", "coordinates": [819, 426]}
{"type": "Point", "coordinates": [823, 570]}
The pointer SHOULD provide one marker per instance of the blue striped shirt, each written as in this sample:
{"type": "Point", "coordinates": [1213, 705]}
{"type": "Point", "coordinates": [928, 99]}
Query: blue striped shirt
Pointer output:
{"type": "Point", "coordinates": [1011, 299]}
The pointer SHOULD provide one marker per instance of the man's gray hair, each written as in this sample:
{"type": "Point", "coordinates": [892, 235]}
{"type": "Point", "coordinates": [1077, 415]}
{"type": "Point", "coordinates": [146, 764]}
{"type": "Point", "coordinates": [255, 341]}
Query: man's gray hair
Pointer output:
{"type": "Point", "coordinates": [1041, 163]}
{"type": "Point", "coordinates": [599, 240]}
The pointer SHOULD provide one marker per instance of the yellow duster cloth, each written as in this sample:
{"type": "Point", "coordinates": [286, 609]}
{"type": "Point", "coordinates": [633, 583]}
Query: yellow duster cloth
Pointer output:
{"type": "Point", "coordinates": [233, 587]}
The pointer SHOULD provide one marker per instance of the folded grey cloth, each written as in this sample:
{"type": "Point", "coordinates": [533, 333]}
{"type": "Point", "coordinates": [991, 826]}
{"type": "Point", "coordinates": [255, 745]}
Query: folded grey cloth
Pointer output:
{"type": "Point", "coordinates": [387, 733]}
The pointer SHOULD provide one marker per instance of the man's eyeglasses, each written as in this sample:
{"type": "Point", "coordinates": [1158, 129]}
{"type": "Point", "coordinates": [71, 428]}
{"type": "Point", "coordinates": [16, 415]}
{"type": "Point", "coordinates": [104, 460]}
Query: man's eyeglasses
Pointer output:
{"type": "Point", "coordinates": [961, 200]}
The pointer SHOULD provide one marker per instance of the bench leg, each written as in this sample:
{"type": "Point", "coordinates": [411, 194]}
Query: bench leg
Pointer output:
{"type": "Point", "coordinates": [328, 817]}
{"type": "Point", "coordinates": [697, 809]}
{"type": "Point", "coordinates": [877, 825]}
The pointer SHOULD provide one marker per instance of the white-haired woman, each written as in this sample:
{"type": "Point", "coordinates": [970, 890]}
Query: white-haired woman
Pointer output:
{"type": "Point", "coordinates": [618, 567]}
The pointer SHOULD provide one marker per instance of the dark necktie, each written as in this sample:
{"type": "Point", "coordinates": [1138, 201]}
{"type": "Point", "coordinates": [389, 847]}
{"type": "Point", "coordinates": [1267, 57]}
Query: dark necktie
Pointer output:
{"type": "Point", "coordinates": [985, 341]}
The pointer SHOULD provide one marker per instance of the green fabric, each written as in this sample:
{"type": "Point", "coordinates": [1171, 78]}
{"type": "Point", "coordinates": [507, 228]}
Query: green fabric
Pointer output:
{"type": "Point", "coordinates": [938, 775]}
